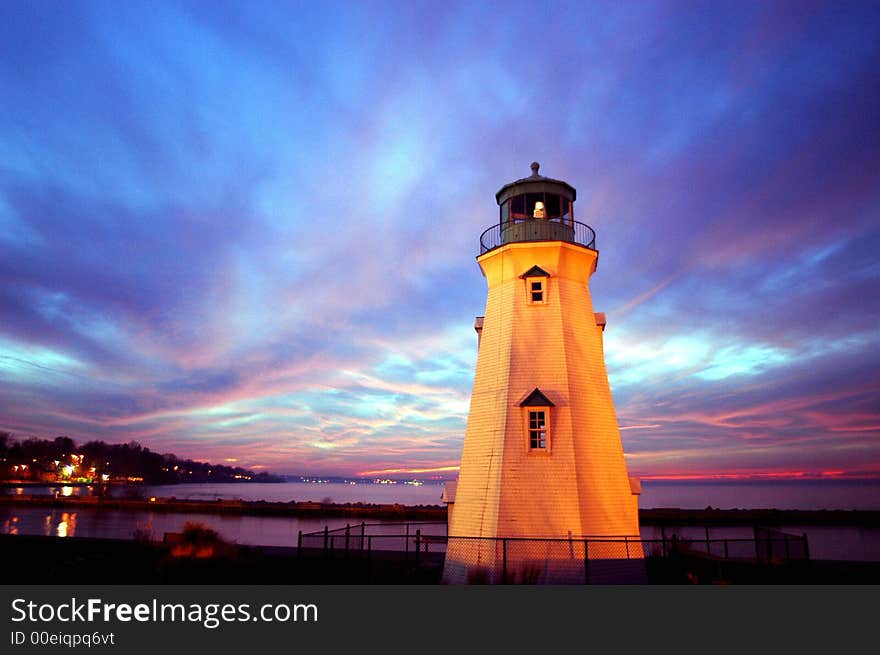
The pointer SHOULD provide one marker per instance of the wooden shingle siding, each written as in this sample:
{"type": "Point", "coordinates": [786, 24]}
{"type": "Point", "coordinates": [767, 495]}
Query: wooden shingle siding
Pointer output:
{"type": "Point", "coordinates": [581, 487]}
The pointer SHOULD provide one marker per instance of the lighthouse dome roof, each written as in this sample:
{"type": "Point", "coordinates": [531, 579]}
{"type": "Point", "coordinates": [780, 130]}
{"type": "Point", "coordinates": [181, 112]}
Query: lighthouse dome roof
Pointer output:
{"type": "Point", "coordinates": [536, 183]}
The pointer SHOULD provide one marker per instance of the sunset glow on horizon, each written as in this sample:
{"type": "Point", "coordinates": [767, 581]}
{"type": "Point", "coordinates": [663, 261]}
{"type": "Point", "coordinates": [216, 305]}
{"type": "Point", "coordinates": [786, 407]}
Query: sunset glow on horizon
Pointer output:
{"type": "Point", "coordinates": [246, 233]}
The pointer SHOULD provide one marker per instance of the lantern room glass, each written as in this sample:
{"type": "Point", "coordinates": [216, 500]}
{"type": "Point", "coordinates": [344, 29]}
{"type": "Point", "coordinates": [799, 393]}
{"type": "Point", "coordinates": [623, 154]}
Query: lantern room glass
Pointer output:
{"type": "Point", "coordinates": [536, 206]}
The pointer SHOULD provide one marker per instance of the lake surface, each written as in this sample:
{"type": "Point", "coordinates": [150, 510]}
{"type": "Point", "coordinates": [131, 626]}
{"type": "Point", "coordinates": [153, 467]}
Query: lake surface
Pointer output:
{"type": "Point", "coordinates": [788, 494]}
{"type": "Point", "coordinates": [835, 542]}
{"type": "Point", "coordinates": [825, 542]}
{"type": "Point", "coordinates": [328, 492]}
{"type": "Point", "coordinates": [797, 494]}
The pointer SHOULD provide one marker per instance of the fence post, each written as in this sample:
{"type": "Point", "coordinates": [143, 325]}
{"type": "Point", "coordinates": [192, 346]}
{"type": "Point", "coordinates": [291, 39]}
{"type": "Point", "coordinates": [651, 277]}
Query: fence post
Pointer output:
{"type": "Point", "coordinates": [326, 532]}
{"type": "Point", "coordinates": [663, 540]}
{"type": "Point", "coordinates": [708, 546]}
{"type": "Point", "coordinates": [504, 561]}
{"type": "Point", "coordinates": [299, 544]}
{"type": "Point", "coordinates": [370, 548]}
{"type": "Point", "coordinates": [726, 556]}
{"type": "Point", "coordinates": [806, 547]}
{"type": "Point", "coordinates": [757, 544]}
{"type": "Point", "coordinates": [586, 562]}
{"type": "Point", "coordinates": [418, 543]}
{"type": "Point", "coordinates": [406, 542]}
{"type": "Point", "coordinates": [362, 538]}
{"type": "Point", "coordinates": [626, 543]}
{"type": "Point", "coordinates": [347, 533]}
{"type": "Point", "coordinates": [787, 553]}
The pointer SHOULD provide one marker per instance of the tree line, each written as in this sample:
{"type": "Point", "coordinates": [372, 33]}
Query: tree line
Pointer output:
{"type": "Point", "coordinates": [61, 458]}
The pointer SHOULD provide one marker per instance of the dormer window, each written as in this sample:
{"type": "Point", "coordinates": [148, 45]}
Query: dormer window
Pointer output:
{"type": "Point", "coordinates": [536, 280]}
{"type": "Point", "coordinates": [536, 290]}
{"type": "Point", "coordinates": [536, 414]}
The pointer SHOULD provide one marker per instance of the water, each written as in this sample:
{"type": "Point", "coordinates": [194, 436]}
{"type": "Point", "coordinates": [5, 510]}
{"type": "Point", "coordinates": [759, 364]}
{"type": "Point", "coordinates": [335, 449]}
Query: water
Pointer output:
{"type": "Point", "coordinates": [831, 542]}
{"type": "Point", "coordinates": [787, 494]}
{"type": "Point", "coordinates": [328, 492]}
{"type": "Point", "coordinates": [796, 494]}
{"type": "Point", "coordinates": [116, 524]}
{"type": "Point", "coordinates": [256, 530]}
{"type": "Point", "coordinates": [836, 542]}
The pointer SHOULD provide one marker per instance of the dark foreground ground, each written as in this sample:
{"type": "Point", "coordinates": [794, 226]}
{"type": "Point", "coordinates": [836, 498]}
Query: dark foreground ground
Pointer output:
{"type": "Point", "coordinates": [50, 560]}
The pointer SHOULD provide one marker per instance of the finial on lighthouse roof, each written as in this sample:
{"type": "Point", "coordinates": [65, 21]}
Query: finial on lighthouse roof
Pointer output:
{"type": "Point", "coordinates": [535, 167]}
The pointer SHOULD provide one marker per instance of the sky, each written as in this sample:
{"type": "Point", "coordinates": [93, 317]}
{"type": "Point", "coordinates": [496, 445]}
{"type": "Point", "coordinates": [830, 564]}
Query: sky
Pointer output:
{"type": "Point", "coordinates": [246, 232]}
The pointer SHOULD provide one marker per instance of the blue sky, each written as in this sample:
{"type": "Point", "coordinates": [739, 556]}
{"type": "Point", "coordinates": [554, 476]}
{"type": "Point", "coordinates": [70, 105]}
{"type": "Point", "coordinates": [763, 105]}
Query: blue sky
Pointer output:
{"type": "Point", "coordinates": [247, 231]}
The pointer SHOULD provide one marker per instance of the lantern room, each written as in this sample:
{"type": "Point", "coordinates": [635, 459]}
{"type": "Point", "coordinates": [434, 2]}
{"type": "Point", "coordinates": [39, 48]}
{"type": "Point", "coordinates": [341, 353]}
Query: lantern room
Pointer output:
{"type": "Point", "coordinates": [536, 208]}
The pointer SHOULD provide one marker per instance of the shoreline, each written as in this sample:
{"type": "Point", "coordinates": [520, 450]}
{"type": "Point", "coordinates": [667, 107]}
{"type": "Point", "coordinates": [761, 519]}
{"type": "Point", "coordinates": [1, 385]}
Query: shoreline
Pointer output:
{"type": "Point", "coordinates": [654, 516]}
{"type": "Point", "coordinates": [241, 507]}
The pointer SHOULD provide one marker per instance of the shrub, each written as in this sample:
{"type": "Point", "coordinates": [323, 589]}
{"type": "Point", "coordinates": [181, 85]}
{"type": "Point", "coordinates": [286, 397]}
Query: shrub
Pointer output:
{"type": "Point", "coordinates": [199, 541]}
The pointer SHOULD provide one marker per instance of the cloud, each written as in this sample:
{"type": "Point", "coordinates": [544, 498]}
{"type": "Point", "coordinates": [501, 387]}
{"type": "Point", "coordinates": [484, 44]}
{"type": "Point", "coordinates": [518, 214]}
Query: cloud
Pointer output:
{"type": "Point", "coordinates": [244, 234]}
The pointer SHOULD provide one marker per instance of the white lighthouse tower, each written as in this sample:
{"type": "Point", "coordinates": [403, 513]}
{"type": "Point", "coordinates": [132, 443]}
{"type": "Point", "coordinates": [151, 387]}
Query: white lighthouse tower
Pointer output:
{"type": "Point", "coordinates": [543, 482]}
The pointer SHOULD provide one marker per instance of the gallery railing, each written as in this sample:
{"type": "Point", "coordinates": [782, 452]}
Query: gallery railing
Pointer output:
{"type": "Point", "coordinates": [552, 229]}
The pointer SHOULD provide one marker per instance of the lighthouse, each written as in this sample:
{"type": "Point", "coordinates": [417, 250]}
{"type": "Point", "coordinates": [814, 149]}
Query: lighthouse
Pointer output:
{"type": "Point", "coordinates": [543, 487]}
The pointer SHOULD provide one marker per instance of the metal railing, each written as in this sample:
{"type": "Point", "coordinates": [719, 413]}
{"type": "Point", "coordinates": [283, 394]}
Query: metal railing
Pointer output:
{"type": "Point", "coordinates": [552, 229]}
{"type": "Point", "coordinates": [361, 539]}
{"type": "Point", "coordinates": [766, 545]}
{"type": "Point", "coordinates": [523, 560]}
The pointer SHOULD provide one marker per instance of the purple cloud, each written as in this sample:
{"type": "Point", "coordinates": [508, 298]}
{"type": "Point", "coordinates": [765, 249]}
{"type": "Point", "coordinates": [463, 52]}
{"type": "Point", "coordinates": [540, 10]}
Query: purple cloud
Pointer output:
{"type": "Point", "coordinates": [229, 232]}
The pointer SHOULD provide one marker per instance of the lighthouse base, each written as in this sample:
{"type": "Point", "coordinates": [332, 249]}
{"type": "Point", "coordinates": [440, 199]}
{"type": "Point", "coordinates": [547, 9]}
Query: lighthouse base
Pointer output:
{"type": "Point", "coordinates": [543, 561]}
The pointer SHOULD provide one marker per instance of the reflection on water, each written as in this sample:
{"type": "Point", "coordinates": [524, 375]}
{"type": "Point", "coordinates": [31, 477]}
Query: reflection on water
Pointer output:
{"type": "Point", "coordinates": [67, 525]}
{"type": "Point", "coordinates": [143, 531]}
{"type": "Point", "coordinates": [28, 520]}
{"type": "Point", "coordinates": [10, 525]}
{"type": "Point", "coordinates": [66, 491]}
{"type": "Point", "coordinates": [117, 524]}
